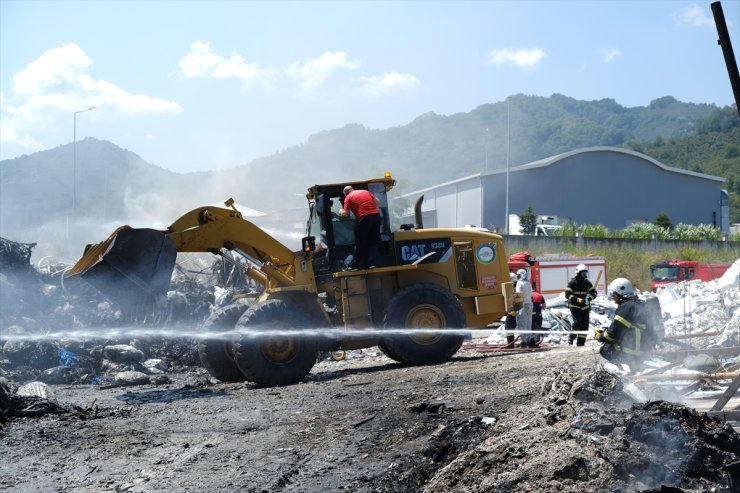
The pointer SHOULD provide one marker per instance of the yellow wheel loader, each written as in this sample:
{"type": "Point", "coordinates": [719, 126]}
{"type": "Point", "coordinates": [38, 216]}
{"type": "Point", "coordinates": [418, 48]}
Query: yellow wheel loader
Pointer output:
{"type": "Point", "coordinates": [429, 287]}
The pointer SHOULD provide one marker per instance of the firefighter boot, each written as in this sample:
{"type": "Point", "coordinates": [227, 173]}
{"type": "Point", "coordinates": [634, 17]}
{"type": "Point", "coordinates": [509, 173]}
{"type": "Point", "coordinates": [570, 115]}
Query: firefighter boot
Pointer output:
{"type": "Point", "coordinates": [572, 337]}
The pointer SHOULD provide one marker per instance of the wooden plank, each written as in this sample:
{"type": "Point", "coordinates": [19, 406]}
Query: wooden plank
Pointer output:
{"type": "Point", "coordinates": [727, 395]}
{"type": "Point", "coordinates": [690, 336]}
{"type": "Point", "coordinates": [680, 355]}
{"type": "Point", "coordinates": [726, 415]}
{"type": "Point", "coordinates": [684, 391]}
{"type": "Point", "coordinates": [686, 376]}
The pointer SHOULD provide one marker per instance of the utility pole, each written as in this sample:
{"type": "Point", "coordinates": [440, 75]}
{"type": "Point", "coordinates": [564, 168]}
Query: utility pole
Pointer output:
{"type": "Point", "coordinates": [486, 169]}
{"type": "Point", "coordinates": [508, 141]}
{"type": "Point", "coordinates": [726, 44]}
{"type": "Point", "coordinates": [74, 166]}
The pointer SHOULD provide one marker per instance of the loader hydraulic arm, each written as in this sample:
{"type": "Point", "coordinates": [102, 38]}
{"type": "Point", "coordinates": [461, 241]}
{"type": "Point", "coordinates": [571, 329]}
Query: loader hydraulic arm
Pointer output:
{"type": "Point", "coordinates": [135, 265]}
{"type": "Point", "coordinates": [208, 229]}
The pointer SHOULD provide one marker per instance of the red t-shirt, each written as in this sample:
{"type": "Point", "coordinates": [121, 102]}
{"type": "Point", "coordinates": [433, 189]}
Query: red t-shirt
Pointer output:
{"type": "Point", "coordinates": [537, 297]}
{"type": "Point", "coordinates": [361, 203]}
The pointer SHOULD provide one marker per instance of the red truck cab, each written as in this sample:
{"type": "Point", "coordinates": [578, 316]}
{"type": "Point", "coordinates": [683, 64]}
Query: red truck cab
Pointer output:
{"type": "Point", "coordinates": [670, 271]}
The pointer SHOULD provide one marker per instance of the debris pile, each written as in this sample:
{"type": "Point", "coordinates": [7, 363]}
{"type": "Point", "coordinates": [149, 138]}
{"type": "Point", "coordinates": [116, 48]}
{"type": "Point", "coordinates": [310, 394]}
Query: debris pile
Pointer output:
{"type": "Point", "coordinates": [708, 311]}
{"type": "Point", "coordinates": [597, 439]}
{"type": "Point", "coordinates": [526, 424]}
{"type": "Point", "coordinates": [60, 333]}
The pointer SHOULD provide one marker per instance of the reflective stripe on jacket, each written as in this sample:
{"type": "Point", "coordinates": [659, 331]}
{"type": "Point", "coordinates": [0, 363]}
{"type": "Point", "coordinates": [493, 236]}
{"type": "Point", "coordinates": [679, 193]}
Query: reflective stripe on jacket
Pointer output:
{"type": "Point", "coordinates": [625, 331]}
{"type": "Point", "coordinates": [577, 292]}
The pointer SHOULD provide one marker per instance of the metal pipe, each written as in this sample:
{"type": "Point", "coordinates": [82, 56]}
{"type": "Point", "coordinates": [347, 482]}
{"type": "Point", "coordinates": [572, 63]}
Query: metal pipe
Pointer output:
{"type": "Point", "coordinates": [726, 44]}
{"type": "Point", "coordinates": [417, 213]}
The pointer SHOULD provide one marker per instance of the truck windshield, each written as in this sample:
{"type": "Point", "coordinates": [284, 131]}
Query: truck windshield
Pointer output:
{"type": "Point", "coordinates": [664, 273]}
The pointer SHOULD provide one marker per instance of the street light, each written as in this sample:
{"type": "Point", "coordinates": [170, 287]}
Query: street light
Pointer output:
{"type": "Point", "coordinates": [508, 155]}
{"type": "Point", "coordinates": [74, 169]}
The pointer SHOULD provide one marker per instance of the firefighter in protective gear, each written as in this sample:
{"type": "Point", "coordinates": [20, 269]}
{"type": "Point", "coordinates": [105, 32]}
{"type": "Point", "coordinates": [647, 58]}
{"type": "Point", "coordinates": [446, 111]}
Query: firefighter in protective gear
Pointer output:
{"type": "Point", "coordinates": [623, 340]}
{"type": "Point", "coordinates": [579, 294]}
{"type": "Point", "coordinates": [524, 315]}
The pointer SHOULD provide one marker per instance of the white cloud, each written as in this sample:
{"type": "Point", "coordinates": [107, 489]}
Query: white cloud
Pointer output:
{"type": "Point", "coordinates": [387, 83]}
{"type": "Point", "coordinates": [57, 68]}
{"type": "Point", "coordinates": [521, 57]}
{"type": "Point", "coordinates": [202, 62]}
{"type": "Point", "coordinates": [54, 86]}
{"type": "Point", "coordinates": [313, 72]}
{"type": "Point", "coordinates": [300, 78]}
{"type": "Point", "coordinates": [693, 15]}
{"type": "Point", "coordinates": [610, 54]}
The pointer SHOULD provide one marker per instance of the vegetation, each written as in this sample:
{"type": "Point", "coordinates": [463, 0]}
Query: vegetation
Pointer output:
{"type": "Point", "coordinates": [635, 264]}
{"type": "Point", "coordinates": [662, 220]}
{"type": "Point", "coordinates": [647, 231]}
{"type": "Point", "coordinates": [713, 149]}
{"type": "Point", "coordinates": [430, 150]}
{"type": "Point", "coordinates": [528, 221]}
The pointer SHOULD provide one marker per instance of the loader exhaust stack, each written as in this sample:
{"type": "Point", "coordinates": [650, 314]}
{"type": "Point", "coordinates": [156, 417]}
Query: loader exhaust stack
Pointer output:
{"type": "Point", "coordinates": [417, 213]}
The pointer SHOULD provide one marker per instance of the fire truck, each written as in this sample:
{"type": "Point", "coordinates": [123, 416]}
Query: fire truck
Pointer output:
{"type": "Point", "coordinates": [550, 273]}
{"type": "Point", "coordinates": [670, 271]}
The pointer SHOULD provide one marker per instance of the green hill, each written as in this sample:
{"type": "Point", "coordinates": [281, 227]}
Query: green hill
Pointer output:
{"type": "Point", "coordinates": [115, 185]}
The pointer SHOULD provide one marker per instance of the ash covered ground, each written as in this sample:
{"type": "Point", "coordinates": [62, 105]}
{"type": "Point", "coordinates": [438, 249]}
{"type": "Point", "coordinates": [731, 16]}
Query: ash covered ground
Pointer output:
{"type": "Point", "coordinates": [135, 411]}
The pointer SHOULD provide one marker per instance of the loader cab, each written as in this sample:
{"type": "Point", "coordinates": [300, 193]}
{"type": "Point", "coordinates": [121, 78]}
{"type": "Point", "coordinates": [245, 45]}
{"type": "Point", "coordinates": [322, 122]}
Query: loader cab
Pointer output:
{"type": "Point", "coordinates": [337, 236]}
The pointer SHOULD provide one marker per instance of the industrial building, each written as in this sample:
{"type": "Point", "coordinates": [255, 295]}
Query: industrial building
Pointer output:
{"type": "Point", "coordinates": [611, 186]}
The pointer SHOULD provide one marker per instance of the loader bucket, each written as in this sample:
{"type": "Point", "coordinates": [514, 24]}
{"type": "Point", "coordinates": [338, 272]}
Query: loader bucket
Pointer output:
{"type": "Point", "coordinates": [132, 266]}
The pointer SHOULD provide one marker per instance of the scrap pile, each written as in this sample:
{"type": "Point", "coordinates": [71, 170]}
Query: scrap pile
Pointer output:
{"type": "Point", "coordinates": [587, 433]}
{"type": "Point", "coordinates": [52, 332]}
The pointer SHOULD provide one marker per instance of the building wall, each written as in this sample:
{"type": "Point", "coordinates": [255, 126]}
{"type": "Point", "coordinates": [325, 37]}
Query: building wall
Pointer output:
{"type": "Point", "coordinates": [606, 187]}
{"type": "Point", "coordinates": [603, 185]}
{"type": "Point", "coordinates": [450, 205]}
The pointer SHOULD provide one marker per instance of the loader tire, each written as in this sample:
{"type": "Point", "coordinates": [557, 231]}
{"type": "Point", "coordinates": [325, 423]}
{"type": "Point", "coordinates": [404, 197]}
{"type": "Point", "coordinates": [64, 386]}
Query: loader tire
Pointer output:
{"type": "Point", "coordinates": [215, 354]}
{"type": "Point", "coordinates": [423, 306]}
{"type": "Point", "coordinates": [270, 359]}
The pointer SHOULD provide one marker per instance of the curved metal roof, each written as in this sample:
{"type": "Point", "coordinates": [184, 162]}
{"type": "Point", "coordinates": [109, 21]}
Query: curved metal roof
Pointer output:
{"type": "Point", "coordinates": [559, 157]}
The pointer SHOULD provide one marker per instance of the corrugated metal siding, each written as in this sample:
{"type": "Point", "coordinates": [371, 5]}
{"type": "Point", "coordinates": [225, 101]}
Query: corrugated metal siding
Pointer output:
{"type": "Point", "coordinates": [604, 186]}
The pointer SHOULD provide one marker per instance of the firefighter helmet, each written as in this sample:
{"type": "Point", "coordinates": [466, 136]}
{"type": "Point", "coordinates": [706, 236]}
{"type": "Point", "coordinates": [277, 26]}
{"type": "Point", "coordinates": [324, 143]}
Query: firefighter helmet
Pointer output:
{"type": "Point", "coordinates": [521, 274]}
{"type": "Point", "coordinates": [581, 268]}
{"type": "Point", "coordinates": [621, 286]}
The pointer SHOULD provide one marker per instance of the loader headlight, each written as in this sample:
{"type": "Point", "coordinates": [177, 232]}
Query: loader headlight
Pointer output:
{"type": "Point", "coordinates": [309, 243]}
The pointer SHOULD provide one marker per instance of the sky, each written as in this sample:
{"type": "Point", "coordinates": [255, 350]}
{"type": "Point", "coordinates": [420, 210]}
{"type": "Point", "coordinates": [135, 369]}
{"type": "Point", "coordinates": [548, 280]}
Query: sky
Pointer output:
{"type": "Point", "coordinates": [198, 86]}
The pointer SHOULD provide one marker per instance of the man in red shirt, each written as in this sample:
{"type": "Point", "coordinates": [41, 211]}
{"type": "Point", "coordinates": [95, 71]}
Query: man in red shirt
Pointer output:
{"type": "Point", "coordinates": [364, 205]}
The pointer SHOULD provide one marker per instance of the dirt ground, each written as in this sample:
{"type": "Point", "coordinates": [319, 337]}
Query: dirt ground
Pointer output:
{"type": "Point", "coordinates": [550, 421]}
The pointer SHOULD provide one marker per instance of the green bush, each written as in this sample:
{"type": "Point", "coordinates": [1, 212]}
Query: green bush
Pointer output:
{"type": "Point", "coordinates": [647, 231]}
{"type": "Point", "coordinates": [569, 230]}
{"type": "Point", "coordinates": [594, 231]}
{"type": "Point", "coordinates": [643, 231]}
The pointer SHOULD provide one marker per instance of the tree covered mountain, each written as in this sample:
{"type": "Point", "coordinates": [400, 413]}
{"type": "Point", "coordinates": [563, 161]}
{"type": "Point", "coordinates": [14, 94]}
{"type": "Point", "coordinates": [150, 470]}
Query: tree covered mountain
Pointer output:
{"type": "Point", "coordinates": [114, 185]}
